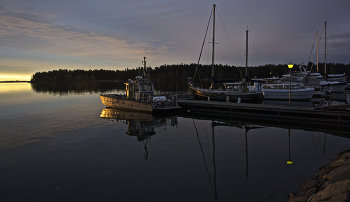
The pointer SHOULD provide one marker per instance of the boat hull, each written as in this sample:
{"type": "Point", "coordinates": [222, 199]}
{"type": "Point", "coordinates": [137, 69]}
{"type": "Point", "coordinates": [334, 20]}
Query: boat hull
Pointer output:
{"type": "Point", "coordinates": [283, 94]}
{"type": "Point", "coordinates": [213, 95]}
{"type": "Point", "coordinates": [334, 87]}
{"type": "Point", "coordinates": [120, 102]}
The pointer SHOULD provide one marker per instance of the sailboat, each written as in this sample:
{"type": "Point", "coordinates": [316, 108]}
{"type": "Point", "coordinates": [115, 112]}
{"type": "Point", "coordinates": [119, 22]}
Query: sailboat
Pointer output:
{"type": "Point", "coordinates": [232, 90]}
{"type": "Point", "coordinates": [320, 83]}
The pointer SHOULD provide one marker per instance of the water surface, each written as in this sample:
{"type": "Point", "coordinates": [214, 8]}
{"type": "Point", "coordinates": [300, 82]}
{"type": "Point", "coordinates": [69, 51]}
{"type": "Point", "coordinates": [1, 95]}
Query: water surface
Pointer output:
{"type": "Point", "coordinates": [54, 146]}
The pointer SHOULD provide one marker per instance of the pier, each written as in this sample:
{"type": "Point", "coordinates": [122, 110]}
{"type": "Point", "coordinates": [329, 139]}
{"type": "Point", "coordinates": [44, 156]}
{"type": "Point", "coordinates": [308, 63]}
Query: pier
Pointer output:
{"type": "Point", "coordinates": [330, 116]}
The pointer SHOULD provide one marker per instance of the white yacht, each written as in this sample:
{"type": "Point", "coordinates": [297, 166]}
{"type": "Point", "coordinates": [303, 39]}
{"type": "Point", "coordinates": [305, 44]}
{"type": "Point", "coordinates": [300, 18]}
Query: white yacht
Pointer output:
{"type": "Point", "coordinates": [314, 80]}
{"type": "Point", "coordinates": [273, 89]}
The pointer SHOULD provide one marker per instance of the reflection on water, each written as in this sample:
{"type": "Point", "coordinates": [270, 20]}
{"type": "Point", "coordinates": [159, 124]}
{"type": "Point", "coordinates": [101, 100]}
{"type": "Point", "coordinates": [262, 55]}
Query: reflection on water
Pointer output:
{"type": "Point", "coordinates": [211, 158]}
{"type": "Point", "coordinates": [141, 125]}
{"type": "Point", "coordinates": [54, 148]}
{"type": "Point", "coordinates": [14, 87]}
{"type": "Point", "coordinates": [65, 88]}
{"type": "Point", "coordinates": [213, 176]}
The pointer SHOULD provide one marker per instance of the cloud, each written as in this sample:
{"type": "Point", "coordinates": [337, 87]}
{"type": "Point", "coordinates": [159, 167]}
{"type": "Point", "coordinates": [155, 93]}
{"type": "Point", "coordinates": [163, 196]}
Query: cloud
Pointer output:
{"type": "Point", "coordinates": [31, 33]}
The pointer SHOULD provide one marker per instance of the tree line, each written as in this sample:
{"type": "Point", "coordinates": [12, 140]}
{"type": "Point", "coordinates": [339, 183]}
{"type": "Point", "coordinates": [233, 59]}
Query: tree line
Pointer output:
{"type": "Point", "coordinates": [182, 72]}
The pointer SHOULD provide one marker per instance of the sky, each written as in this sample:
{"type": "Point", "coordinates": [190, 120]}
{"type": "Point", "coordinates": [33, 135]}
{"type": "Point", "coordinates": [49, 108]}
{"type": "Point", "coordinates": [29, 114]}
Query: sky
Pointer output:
{"type": "Point", "coordinates": [46, 35]}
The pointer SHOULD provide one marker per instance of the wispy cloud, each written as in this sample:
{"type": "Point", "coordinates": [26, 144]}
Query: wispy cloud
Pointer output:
{"type": "Point", "coordinates": [29, 32]}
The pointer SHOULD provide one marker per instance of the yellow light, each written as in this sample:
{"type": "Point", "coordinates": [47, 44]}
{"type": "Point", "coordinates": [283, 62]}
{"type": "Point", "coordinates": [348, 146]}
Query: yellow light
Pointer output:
{"type": "Point", "coordinates": [289, 162]}
{"type": "Point", "coordinates": [290, 66]}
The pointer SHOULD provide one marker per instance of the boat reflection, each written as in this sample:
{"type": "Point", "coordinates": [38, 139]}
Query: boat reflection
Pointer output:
{"type": "Point", "coordinates": [140, 124]}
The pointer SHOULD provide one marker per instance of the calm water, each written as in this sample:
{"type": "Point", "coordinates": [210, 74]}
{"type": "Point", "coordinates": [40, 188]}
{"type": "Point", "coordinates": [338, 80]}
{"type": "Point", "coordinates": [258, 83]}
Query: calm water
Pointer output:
{"type": "Point", "coordinates": [54, 146]}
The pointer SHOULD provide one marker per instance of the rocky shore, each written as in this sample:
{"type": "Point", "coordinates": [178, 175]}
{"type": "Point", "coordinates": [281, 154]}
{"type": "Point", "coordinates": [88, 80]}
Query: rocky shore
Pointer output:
{"type": "Point", "coordinates": [331, 184]}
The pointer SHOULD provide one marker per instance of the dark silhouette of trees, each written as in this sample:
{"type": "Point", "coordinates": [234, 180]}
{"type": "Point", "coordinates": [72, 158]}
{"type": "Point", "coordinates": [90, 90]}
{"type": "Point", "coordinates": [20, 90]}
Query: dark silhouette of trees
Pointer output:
{"type": "Point", "coordinates": [181, 72]}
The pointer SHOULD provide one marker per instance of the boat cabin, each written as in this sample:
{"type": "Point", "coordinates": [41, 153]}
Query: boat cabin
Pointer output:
{"type": "Point", "coordinates": [139, 89]}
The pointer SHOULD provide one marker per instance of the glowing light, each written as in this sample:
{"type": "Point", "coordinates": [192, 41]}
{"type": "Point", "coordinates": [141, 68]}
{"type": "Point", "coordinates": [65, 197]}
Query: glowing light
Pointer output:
{"type": "Point", "coordinates": [290, 66]}
{"type": "Point", "coordinates": [289, 162]}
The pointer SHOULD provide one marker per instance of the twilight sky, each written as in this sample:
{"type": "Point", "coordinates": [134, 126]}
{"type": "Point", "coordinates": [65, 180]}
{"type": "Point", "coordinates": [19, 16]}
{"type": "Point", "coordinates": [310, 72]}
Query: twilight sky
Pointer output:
{"type": "Point", "coordinates": [44, 35]}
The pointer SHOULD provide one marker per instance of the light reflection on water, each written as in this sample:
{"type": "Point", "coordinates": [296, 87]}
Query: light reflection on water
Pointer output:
{"type": "Point", "coordinates": [14, 87]}
{"type": "Point", "coordinates": [54, 148]}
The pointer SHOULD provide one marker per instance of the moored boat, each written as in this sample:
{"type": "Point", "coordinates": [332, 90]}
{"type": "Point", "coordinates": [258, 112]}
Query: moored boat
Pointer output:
{"type": "Point", "coordinates": [139, 95]}
{"type": "Point", "coordinates": [230, 90]}
{"type": "Point", "coordinates": [281, 92]}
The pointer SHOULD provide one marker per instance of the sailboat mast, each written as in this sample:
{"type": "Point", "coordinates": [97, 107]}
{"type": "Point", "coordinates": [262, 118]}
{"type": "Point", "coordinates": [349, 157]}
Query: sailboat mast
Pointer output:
{"type": "Point", "coordinates": [246, 54]}
{"type": "Point", "coordinates": [325, 49]}
{"type": "Point", "coordinates": [212, 59]}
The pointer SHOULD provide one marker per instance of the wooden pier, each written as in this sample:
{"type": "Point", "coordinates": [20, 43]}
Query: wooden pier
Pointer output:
{"type": "Point", "coordinates": [330, 115]}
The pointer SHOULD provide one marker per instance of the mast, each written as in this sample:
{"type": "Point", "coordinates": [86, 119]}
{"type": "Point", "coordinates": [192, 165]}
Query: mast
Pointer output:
{"type": "Point", "coordinates": [246, 54]}
{"type": "Point", "coordinates": [212, 59]}
{"type": "Point", "coordinates": [325, 50]}
{"type": "Point", "coordinates": [144, 66]}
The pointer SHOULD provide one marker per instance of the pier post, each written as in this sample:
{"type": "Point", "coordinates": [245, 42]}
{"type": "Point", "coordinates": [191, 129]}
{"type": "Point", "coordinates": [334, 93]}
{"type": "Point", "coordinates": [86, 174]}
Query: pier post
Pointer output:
{"type": "Point", "coordinates": [290, 66]}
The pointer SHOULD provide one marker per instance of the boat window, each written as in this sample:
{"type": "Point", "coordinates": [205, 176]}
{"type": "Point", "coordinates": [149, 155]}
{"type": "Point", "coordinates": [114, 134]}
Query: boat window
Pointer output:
{"type": "Point", "coordinates": [146, 87]}
{"type": "Point", "coordinates": [136, 87]}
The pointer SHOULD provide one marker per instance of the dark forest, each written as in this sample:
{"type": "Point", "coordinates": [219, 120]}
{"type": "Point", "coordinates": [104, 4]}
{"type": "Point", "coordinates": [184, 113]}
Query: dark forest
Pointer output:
{"type": "Point", "coordinates": [181, 72]}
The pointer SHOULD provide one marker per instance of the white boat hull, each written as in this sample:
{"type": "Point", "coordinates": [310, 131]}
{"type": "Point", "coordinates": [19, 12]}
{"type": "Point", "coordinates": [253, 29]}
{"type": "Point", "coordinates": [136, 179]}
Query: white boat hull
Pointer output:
{"type": "Point", "coordinates": [334, 86]}
{"type": "Point", "coordinates": [283, 94]}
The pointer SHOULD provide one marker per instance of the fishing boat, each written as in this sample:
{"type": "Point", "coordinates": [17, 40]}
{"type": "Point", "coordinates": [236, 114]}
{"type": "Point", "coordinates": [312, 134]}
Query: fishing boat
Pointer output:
{"type": "Point", "coordinates": [139, 95]}
{"type": "Point", "coordinates": [233, 90]}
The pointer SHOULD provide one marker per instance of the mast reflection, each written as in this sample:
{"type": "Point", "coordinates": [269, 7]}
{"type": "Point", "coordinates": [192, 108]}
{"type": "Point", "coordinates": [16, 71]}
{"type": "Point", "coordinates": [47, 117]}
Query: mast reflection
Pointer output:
{"type": "Point", "coordinates": [215, 123]}
{"type": "Point", "coordinates": [141, 125]}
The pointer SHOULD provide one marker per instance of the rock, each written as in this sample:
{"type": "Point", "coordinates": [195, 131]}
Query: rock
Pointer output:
{"type": "Point", "coordinates": [338, 191]}
{"type": "Point", "coordinates": [334, 164]}
{"type": "Point", "coordinates": [309, 184]}
{"type": "Point", "coordinates": [338, 171]}
{"type": "Point", "coordinates": [331, 184]}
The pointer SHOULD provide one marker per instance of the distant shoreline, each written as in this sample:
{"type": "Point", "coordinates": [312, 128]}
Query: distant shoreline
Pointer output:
{"type": "Point", "coordinates": [14, 81]}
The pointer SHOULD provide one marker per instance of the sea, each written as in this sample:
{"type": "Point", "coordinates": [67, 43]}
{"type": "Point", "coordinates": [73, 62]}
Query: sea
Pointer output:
{"type": "Point", "coordinates": [58, 142]}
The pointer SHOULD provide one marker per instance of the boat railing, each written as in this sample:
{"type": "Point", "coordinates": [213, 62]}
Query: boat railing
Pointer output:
{"type": "Point", "coordinates": [168, 99]}
{"type": "Point", "coordinates": [281, 86]}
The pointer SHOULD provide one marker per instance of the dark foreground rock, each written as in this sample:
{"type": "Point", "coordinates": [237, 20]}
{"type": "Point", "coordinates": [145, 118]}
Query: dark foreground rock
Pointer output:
{"type": "Point", "coordinates": [331, 184]}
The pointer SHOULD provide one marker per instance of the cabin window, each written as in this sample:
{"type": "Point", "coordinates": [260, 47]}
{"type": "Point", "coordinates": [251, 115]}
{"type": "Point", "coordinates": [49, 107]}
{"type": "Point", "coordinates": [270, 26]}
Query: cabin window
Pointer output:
{"type": "Point", "coordinates": [144, 88]}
